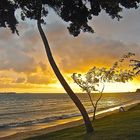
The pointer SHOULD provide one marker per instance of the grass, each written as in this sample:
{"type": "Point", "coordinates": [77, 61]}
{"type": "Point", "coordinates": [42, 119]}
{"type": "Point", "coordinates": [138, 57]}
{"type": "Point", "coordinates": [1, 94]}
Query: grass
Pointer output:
{"type": "Point", "coordinates": [119, 126]}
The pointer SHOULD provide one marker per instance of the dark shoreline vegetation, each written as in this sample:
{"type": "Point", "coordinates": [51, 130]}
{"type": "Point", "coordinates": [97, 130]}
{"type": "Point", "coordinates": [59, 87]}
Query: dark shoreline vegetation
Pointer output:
{"type": "Point", "coordinates": [2, 93]}
{"type": "Point", "coordinates": [119, 126]}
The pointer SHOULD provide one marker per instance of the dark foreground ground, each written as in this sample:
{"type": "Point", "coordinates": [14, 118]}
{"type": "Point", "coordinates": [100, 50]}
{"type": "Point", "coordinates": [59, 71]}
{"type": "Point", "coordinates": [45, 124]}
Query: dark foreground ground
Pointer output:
{"type": "Point", "coordinates": [120, 126]}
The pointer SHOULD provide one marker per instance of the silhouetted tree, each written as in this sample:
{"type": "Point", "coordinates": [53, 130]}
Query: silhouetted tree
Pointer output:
{"type": "Point", "coordinates": [136, 66]}
{"type": "Point", "coordinates": [96, 78]}
{"type": "Point", "coordinates": [76, 12]}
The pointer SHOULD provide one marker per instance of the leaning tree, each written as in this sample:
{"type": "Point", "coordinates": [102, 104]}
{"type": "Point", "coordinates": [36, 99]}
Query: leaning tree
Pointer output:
{"type": "Point", "coordinates": [76, 12]}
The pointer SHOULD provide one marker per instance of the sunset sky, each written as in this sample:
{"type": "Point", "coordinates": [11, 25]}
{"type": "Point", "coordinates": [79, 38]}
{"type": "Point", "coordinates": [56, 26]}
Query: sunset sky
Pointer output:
{"type": "Point", "coordinates": [24, 66]}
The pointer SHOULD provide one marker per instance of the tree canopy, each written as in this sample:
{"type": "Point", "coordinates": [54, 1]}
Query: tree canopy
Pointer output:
{"type": "Point", "coordinates": [76, 12]}
{"type": "Point", "coordinates": [97, 77]}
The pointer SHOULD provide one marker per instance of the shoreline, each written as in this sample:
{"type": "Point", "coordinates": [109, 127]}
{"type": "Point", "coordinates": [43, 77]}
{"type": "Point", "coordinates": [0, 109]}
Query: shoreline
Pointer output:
{"type": "Point", "coordinates": [65, 123]}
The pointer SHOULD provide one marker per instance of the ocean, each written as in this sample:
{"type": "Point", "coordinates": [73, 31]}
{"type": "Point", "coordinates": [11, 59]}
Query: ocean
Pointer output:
{"type": "Point", "coordinates": [18, 112]}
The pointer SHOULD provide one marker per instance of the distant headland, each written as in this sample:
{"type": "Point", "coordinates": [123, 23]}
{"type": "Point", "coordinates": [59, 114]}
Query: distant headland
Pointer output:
{"type": "Point", "coordinates": [138, 90]}
{"type": "Point", "coordinates": [7, 92]}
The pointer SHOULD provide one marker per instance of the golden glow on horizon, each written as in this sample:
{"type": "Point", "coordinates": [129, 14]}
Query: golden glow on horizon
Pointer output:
{"type": "Point", "coordinates": [57, 88]}
{"type": "Point", "coordinates": [26, 68]}
{"type": "Point", "coordinates": [8, 84]}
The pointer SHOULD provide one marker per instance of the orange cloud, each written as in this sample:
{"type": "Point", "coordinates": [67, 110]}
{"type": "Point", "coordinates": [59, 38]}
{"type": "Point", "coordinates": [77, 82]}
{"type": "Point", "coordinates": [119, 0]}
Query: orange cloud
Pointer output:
{"type": "Point", "coordinates": [23, 61]}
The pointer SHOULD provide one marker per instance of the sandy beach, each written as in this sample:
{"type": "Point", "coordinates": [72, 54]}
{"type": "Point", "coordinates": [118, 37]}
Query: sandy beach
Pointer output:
{"type": "Point", "coordinates": [65, 123]}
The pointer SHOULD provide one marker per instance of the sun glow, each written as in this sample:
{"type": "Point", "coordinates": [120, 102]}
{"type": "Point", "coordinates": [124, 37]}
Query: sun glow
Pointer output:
{"type": "Point", "coordinates": [55, 86]}
{"type": "Point", "coordinates": [113, 87]}
{"type": "Point", "coordinates": [24, 66]}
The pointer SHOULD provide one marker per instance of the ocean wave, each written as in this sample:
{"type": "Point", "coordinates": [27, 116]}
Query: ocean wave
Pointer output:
{"type": "Point", "coordinates": [24, 112]}
{"type": "Point", "coordinates": [54, 118]}
{"type": "Point", "coordinates": [37, 121]}
{"type": "Point", "coordinates": [50, 119]}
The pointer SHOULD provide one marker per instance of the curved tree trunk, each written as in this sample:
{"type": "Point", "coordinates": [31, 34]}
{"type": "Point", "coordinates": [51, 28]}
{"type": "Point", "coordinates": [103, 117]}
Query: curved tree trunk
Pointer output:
{"type": "Point", "coordinates": [63, 82]}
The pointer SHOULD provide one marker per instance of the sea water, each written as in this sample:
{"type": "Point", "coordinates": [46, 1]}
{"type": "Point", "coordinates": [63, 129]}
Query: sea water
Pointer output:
{"type": "Point", "coordinates": [18, 111]}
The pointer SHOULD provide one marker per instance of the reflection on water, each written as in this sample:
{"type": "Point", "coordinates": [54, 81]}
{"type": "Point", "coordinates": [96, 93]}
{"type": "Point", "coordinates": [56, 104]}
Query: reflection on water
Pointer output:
{"type": "Point", "coordinates": [20, 112]}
